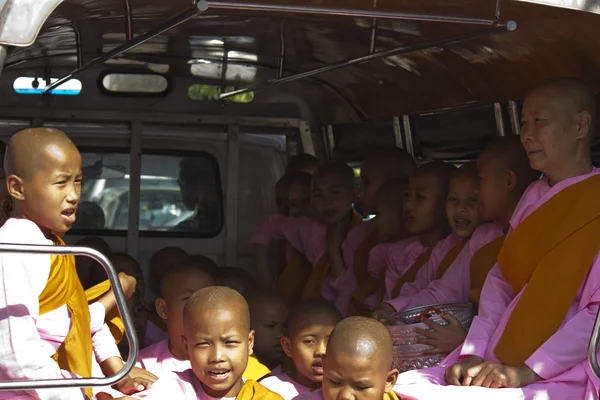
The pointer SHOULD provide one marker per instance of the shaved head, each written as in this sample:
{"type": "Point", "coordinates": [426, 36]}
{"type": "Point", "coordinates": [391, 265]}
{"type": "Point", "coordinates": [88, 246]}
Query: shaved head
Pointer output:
{"type": "Point", "coordinates": [507, 154]}
{"type": "Point", "coordinates": [391, 163]}
{"type": "Point", "coordinates": [308, 309]}
{"type": "Point", "coordinates": [573, 96]}
{"type": "Point", "coordinates": [218, 299]}
{"type": "Point", "coordinates": [340, 170]}
{"type": "Point", "coordinates": [467, 170]}
{"type": "Point", "coordinates": [441, 170]}
{"type": "Point", "coordinates": [236, 278]}
{"type": "Point", "coordinates": [165, 259]}
{"type": "Point", "coordinates": [364, 338]}
{"type": "Point", "coordinates": [31, 149]}
{"type": "Point", "coordinates": [302, 163]}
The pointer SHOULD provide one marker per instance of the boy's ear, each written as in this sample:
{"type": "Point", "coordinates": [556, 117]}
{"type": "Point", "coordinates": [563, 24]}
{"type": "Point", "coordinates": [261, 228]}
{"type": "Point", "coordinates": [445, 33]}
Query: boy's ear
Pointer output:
{"type": "Point", "coordinates": [184, 341]}
{"type": "Point", "coordinates": [511, 180]}
{"type": "Point", "coordinates": [161, 308]}
{"type": "Point", "coordinates": [390, 380]}
{"type": "Point", "coordinates": [15, 187]}
{"type": "Point", "coordinates": [286, 345]}
{"type": "Point", "coordinates": [251, 343]}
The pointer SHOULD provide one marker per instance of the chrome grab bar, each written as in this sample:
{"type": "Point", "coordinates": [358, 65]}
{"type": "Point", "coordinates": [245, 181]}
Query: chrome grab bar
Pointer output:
{"type": "Point", "coordinates": [121, 306]}
{"type": "Point", "coordinates": [593, 347]}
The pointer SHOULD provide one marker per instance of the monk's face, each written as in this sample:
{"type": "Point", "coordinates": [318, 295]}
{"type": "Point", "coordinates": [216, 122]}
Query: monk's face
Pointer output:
{"type": "Point", "coordinates": [462, 205]}
{"type": "Point", "coordinates": [493, 190]}
{"type": "Point", "coordinates": [49, 195]}
{"type": "Point", "coordinates": [299, 203]}
{"type": "Point", "coordinates": [332, 198]}
{"type": "Point", "coordinates": [389, 221]}
{"type": "Point", "coordinates": [370, 183]}
{"type": "Point", "coordinates": [218, 346]}
{"type": "Point", "coordinates": [268, 322]}
{"type": "Point", "coordinates": [424, 207]}
{"type": "Point", "coordinates": [355, 377]}
{"type": "Point", "coordinates": [177, 292]}
{"type": "Point", "coordinates": [550, 132]}
{"type": "Point", "coordinates": [307, 344]}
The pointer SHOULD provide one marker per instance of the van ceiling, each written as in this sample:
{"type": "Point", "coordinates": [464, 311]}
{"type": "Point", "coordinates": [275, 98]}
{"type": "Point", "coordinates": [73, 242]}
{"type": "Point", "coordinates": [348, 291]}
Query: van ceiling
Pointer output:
{"type": "Point", "coordinates": [550, 41]}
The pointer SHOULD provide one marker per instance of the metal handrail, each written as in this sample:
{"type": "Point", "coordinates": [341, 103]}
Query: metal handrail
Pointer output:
{"type": "Point", "coordinates": [121, 306]}
{"type": "Point", "coordinates": [593, 347]}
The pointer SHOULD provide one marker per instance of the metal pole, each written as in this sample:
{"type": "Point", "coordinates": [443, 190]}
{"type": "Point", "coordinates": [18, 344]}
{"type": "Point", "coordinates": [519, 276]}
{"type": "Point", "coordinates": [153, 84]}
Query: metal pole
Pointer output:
{"type": "Point", "coordinates": [281, 50]}
{"type": "Point", "coordinates": [165, 26]}
{"type": "Point", "coordinates": [347, 12]}
{"type": "Point", "coordinates": [373, 30]}
{"type": "Point", "coordinates": [499, 119]}
{"type": "Point", "coordinates": [397, 132]}
{"type": "Point", "coordinates": [514, 117]}
{"type": "Point", "coordinates": [410, 148]}
{"type": "Point", "coordinates": [128, 20]}
{"type": "Point", "coordinates": [3, 53]}
{"type": "Point", "coordinates": [593, 347]}
{"type": "Point", "coordinates": [121, 306]}
{"type": "Point", "coordinates": [510, 26]}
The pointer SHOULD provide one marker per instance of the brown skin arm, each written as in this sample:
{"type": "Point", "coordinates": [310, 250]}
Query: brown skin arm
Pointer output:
{"type": "Point", "coordinates": [128, 284]}
{"type": "Point", "coordinates": [138, 379]}
{"type": "Point", "coordinates": [444, 338]}
{"type": "Point", "coordinates": [496, 375]}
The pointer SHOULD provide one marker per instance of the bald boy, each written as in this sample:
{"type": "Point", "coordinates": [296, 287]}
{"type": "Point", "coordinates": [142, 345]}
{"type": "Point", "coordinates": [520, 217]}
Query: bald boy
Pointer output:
{"type": "Point", "coordinates": [303, 162]}
{"type": "Point", "coordinates": [358, 362]}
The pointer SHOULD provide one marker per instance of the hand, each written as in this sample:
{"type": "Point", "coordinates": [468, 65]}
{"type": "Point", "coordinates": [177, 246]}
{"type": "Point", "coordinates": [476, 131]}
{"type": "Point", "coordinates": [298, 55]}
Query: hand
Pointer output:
{"type": "Point", "coordinates": [444, 338]}
{"type": "Point", "coordinates": [383, 311]}
{"type": "Point", "coordinates": [128, 284]}
{"type": "Point", "coordinates": [496, 375]}
{"type": "Point", "coordinates": [138, 380]}
{"type": "Point", "coordinates": [457, 375]}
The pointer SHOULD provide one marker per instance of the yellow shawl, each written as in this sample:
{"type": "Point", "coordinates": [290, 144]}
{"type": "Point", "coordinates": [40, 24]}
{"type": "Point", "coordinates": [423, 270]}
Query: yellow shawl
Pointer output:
{"type": "Point", "coordinates": [481, 264]}
{"type": "Point", "coordinates": [255, 370]}
{"type": "Point", "coordinates": [411, 274]}
{"type": "Point", "coordinates": [253, 390]}
{"type": "Point", "coordinates": [449, 258]}
{"type": "Point", "coordinates": [366, 284]}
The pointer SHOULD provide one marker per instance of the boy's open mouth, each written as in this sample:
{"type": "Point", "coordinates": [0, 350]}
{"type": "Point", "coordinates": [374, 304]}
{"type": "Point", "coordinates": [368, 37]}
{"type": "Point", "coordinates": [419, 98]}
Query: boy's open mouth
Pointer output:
{"type": "Point", "coordinates": [462, 223]}
{"type": "Point", "coordinates": [317, 367]}
{"type": "Point", "coordinates": [218, 374]}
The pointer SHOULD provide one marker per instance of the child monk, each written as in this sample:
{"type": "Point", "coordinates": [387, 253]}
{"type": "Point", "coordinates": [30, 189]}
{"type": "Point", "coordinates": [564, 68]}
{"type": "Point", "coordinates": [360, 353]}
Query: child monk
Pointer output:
{"type": "Point", "coordinates": [292, 279]}
{"type": "Point", "coordinates": [308, 329]}
{"type": "Point", "coordinates": [161, 261]}
{"type": "Point", "coordinates": [321, 241]}
{"type": "Point", "coordinates": [218, 340]}
{"type": "Point", "coordinates": [48, 330]}
{"type": "Point", "coordinates": [237, 279]}
{"type": "Point", "coordinates": [389, 225]}
{"type": "Point", "coordinates": [177, 286]}
{"type": "Point", "coordinates": [425, 220]}
{"type": "Point", "coordinates": [268, 315]}
{"type": "Point", "coordinates": [358, 363]}
{"type": "Point", "coordinates": [549, 260]}
{"type": "Point", "coordinates": [504, 174]}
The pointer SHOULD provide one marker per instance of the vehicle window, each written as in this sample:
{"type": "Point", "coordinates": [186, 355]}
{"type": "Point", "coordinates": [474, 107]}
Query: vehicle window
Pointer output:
{"type": "Point", "coordinates": [178, 194]}
{"type": "Point", "coordinates": [135, 83]}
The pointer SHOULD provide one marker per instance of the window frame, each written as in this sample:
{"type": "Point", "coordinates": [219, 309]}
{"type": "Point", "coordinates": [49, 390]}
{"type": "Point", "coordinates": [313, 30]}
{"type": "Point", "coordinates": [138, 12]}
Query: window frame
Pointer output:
{"type": "Point", "coordinates": [160, 234]}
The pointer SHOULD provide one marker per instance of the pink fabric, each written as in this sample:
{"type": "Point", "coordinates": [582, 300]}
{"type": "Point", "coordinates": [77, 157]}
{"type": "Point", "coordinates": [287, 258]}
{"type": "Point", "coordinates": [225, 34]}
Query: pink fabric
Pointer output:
{"type": "Point", "coordinates": [285, 386]}
{"type": "Point", "coordinates": [159, 360]}
{"type": "Point", "coordinates": [309, 237]}
{"type": "Point", "coordinates": [377, 266]}
{"type": "Point", "coordinates": [177, 386]}
{"type": "Point", "coordinates": [561, 361]}
{"type": "Point", "coordinates": [28, 340]}
{"type": "Point", "coordinates": [456, 282]}
{"type": "Point", "coordinates": [401, 256]}
{"type": "Point", "coordinates": [429, 271]}
{"type": "Point", "coordinates": [154, 334]}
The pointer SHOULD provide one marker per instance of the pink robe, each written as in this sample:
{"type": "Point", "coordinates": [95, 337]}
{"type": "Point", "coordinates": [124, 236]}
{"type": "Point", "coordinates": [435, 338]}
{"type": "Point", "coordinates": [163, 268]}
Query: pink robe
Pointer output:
{"type": "Point", "coordinates": [455, 284]}
{"type": "Point", "coordinates": [285, 386]}
{"type": "Point", "coordinates": [429, 271]}
{"type": "Point", "coordinates": [561, 361]}
{"type": "Point", "coordinates": [28, 340]}
{"type": "Point", "coordinates": [309, 237]}
{"type": "Point", "coordinates": [159, 360]}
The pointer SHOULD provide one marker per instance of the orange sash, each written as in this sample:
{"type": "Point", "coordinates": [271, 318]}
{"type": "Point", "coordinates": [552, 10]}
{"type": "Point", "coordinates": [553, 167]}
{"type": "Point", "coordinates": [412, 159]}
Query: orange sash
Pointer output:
{"type": "Point", "coordinates": [411, 274]}
{"type": "Point", "coordinates": [366, 284]}
{"type": "Point", "coordinates": [113, 320]}
{"type": "Point", "coordinates": [390, 396]}
{"type": "Point", "coordinates": [481, 264]}
{"type": "Point", "coordinates": [293, 279]}
{"type": "Point", "coordinates": [449, 258]}
{"type": "Point", "coordinates": [551, 252]}
{"type": "Point", "coordinates": [64, 288]}
{"type": "Point", "coordinates": [252, 390]}
{"type": "Point", "coordinates": [312, 290]}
